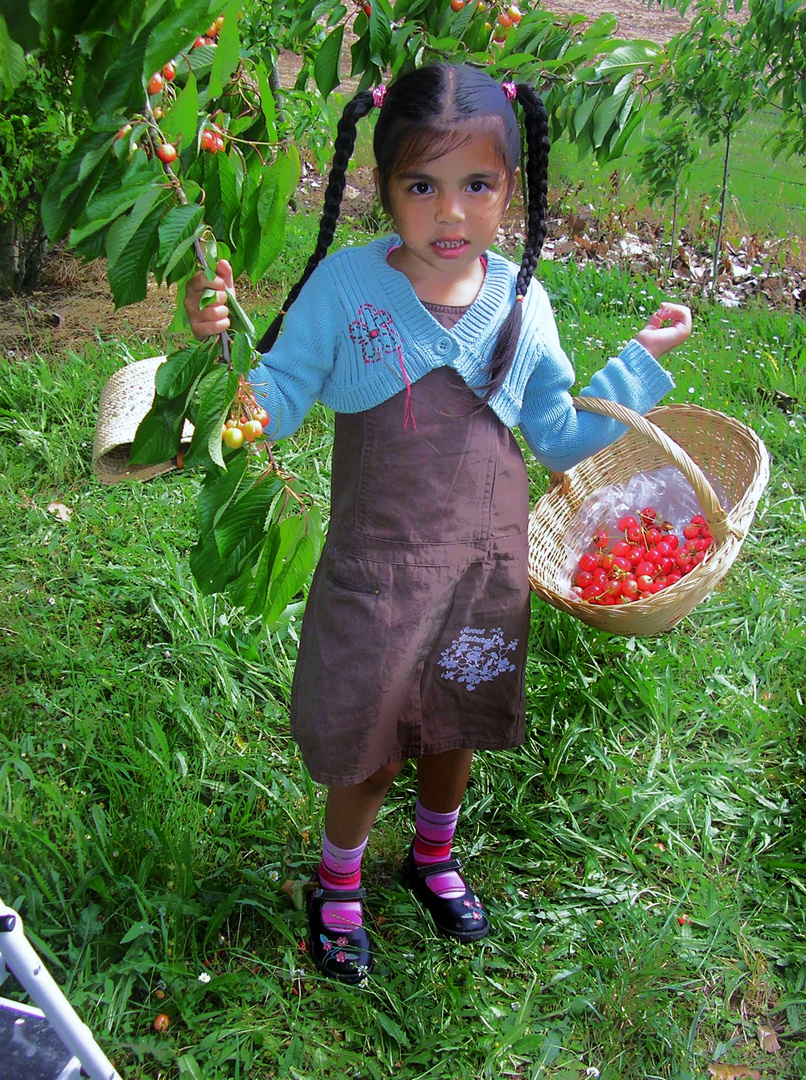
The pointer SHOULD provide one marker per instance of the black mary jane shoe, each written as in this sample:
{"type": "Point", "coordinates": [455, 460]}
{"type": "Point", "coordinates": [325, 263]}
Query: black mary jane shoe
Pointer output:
{"type": "Point", "coordinates": [459, 917]}
{"type": "Point", "coordinates": [343, 955]}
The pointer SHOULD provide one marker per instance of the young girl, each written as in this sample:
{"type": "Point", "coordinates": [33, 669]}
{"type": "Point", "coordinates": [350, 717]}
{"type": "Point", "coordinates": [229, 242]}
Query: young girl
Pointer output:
{"type": "Point", "coordinates": [429, 347]}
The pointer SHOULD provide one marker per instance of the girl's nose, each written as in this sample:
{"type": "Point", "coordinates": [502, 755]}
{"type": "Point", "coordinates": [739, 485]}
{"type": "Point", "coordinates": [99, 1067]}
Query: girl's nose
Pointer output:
{"type": "Point", "coordinates": [449, 207]}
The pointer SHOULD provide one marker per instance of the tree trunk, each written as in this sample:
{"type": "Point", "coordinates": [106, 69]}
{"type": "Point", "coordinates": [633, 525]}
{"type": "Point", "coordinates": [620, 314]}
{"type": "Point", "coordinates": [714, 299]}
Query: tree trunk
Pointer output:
{"type": "Point", "coordinates": [22, 254]}
{"type": "Point", "coordinates": [723, 201]}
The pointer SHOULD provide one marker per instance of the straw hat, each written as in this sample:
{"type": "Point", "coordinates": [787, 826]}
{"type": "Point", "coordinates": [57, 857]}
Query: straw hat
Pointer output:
{"type": "Point", "coordinates": [125, 400]}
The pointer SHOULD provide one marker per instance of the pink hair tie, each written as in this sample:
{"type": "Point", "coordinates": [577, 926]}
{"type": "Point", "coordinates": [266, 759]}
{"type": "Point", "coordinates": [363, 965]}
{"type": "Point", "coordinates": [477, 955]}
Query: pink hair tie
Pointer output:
{"type": "Point", "coordinates": [378, 96]}
{"type": "Point", "coordinates": [510, 89]}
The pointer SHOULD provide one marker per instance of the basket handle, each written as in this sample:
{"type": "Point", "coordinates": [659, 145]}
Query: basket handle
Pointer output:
{"type": "Point", "coordinates": [716, 514]}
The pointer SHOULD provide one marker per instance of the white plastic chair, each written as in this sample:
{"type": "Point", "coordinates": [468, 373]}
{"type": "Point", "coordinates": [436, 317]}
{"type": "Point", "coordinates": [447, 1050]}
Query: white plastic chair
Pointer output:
{"type": "Point", "coordinates": [45, 1043]}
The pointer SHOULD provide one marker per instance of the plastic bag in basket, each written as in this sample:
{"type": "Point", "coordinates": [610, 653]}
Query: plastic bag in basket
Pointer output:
{"type": "Point", "coordinates": [666, 489]}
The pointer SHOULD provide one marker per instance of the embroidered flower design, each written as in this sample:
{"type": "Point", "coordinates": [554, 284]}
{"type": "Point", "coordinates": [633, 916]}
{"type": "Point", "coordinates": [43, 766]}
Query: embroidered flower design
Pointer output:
{"type": "Point", "coordinates": [477, 656]}
{"type": "Point", "coordinates": [374, 331]}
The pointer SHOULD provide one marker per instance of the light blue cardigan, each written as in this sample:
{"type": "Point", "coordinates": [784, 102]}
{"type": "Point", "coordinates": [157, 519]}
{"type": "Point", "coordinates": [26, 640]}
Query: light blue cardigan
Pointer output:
{"type": "Point", "coordinates": [357, 335]}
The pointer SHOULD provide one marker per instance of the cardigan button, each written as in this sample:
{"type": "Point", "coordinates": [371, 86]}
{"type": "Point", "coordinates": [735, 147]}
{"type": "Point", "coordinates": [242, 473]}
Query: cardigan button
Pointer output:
{"type": "Point", "coordinates": [443, 345]}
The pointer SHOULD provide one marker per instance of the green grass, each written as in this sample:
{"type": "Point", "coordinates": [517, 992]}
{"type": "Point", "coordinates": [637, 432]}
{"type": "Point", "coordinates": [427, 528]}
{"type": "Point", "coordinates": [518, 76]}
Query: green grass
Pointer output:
{"type": "Point", "coordinates": [152, 804]}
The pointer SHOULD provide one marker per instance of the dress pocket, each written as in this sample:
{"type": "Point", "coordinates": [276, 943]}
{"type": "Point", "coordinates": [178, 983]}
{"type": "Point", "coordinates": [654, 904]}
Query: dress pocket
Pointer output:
{"type": "Point", "coordinates": [350, 585]}
{"type": "Point", "coordinates": [345, 630]}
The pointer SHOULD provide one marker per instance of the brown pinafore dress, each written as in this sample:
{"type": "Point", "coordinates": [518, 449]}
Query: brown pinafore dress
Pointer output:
{"type": "Point", "coordinates": [415, 630]}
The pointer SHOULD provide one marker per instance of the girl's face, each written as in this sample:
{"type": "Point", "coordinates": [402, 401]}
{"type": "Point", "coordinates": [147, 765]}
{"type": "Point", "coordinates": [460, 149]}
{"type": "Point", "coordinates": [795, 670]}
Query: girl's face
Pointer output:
{"type": "Point", "coordinates": [447, 210]}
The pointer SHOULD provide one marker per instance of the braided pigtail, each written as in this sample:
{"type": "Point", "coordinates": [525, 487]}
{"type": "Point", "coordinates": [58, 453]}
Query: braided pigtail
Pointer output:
{"type": "Point", "coordinates": [536, 127]}
{"type": "Point", "coordinates": [346, 132]}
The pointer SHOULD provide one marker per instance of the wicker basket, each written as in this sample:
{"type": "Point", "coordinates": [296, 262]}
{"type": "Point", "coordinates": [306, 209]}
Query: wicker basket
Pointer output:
{"type": "Point", "coordinates": [125, 400]}
{"type": "Point", "coordinates": [693, 439]}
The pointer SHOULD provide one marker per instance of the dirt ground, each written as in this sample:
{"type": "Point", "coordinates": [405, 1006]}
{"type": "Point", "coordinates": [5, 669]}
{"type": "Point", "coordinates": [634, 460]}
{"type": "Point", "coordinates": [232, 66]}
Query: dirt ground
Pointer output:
{"type": "Point", "coordinates": [74, 303]}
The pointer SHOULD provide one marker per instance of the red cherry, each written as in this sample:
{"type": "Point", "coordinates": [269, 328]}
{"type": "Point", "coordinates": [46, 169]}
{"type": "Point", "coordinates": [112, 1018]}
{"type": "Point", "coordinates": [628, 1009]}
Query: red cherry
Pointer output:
{"type": "Point", "coordinates": [156, 83]}
{"type": "Point", "coordinates": [166, 152]}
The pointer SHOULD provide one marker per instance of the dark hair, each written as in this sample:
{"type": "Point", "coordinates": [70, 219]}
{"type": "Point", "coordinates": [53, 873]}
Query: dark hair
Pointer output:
{"type": "Point", "coordinates": [420, 118]}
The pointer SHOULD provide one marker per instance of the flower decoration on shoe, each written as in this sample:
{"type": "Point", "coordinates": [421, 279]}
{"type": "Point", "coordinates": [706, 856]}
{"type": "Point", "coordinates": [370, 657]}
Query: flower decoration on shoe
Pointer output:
{"type": "Point", "coordinates": [346, 956]}
{"type": "Point", "coordinates": [460, 917]}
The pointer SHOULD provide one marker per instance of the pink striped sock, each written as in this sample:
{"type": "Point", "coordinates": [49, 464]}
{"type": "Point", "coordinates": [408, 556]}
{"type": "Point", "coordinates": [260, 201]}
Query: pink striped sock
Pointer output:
{"type": "Point", "coordinates": [432, 843]}
{"type": "Point", "coordinates": [340, 868]}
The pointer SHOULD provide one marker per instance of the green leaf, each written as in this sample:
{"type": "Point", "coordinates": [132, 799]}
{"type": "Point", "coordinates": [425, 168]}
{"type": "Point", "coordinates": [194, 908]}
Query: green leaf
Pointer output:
{"type": "Point", "coordinates": [293, 574]}
{"type": "Point", "coordinates": [211, 573]}
{"type": "Point", "coordinates": [584, 112]}
{"type": "Point", "coordinates": [241, 354]}
{"type": "Point", "coordinates": [175, 32]}
{"type": "Point", "coordinates": [159, 435]}
{"type": "Point", "coordinates": [608, 109]}
{"type": "Point", "coordinates": [633, 55]}
{"type": "Point", "coordinates": [249, 589]}
{"type": "Point", "coordinates": [179, 226]}
{"type": "Point", "coordinates": [239, 320]}
{"type": "Point", "coordinates": [223, 201]}
{"type": "Point", "coordinates": [380, 31]}
{"type": "Point", "coordinates": [137, 930]}
{"type": "Point", "coordinates": [182, 119]}
{"type": "Point", "coordinates": [183, 260]}
{"type": "Point", "coordinates": [216, 392]}
{"type": "Point", "coordinates": [226, 53]}
{"type": "Point", "coordinates": [74, 182]}
{"type": "Point", "coordinates": [107, 205]}
{"type": "Point", "coordinates": [117, 87]}
{"type": "Point", "coordinates": [326, 65]}
{"type": "Point", "coordinates": [182, 370]}
{"type": "Point", "coordinates": [12, 62]}
{"type": "Point", "coordinates": [218, 490]}
{"type": "Point", "coordinates": [130, 245]}
{"type": "Point", "coordinates": [267, 103]}
{"type": "Point", "coordinates": [188, 1065]}
{"type": "Point", "coordinates": [246, 517]}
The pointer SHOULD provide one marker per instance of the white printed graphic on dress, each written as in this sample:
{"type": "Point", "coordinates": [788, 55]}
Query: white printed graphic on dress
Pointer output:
{"type": "Point", "coordinates": [477, 656]}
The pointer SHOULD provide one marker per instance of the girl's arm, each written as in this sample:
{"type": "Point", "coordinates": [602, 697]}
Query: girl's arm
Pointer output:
{"type": "Point", "coordinates": [289, 379]}
{"type": "Point", "coordinates": [558, 434]}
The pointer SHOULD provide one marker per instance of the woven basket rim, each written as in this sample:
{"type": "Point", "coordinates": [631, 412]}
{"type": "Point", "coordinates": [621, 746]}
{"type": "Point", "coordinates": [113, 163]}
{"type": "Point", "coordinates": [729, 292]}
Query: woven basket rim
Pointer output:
{"type": "Point", "coordinates": [124, 400]}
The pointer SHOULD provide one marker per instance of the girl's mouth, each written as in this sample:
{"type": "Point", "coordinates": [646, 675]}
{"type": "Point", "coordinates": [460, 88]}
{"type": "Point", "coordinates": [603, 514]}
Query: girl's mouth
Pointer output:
{"type": "Point", "coordinates": [449, 248]}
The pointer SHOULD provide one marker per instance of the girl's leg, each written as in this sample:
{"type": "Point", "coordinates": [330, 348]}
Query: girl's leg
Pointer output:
{"type": "Point", "coordinates": [349, 815]}
{"type": "Point", "coordinates": [442, 780]}
{"type": "Point", "coordinates": [351, 811]}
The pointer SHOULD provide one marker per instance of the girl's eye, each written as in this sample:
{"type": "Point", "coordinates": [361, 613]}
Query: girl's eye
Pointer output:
{"type": "Point", "coordinates": [421, 187]}
{"type": "Point", "coordinates": [477, 186]}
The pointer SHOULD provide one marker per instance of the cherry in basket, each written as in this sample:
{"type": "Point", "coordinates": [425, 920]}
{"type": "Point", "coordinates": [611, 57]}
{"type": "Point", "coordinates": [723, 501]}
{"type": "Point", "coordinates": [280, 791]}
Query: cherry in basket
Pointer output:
{"type": "Point", "coordinates": [640, 557]}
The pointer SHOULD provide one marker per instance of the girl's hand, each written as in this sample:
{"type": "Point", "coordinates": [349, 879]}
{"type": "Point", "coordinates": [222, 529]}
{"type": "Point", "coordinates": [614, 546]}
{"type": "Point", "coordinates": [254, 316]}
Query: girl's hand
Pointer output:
{"type": "Point", "coordinates": [668, 328]}
{"type": "Point", "coordinates": [214, 318]}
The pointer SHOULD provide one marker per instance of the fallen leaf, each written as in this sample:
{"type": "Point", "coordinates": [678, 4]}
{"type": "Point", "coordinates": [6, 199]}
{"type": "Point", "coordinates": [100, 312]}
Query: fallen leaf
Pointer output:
{"type": "Point", "coordinates": [730, 1072]}
{"type": "Point", "coordinates": [767, 1039]}
{"type": "Point", "coordinates": [293, 890]}
{"type": "Point", "coordinates": [59, 510]}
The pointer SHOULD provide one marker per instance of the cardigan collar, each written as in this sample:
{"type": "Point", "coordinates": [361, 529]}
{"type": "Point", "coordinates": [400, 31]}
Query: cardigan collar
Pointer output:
{"type": "Point", "coordinates": [479, 322]}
